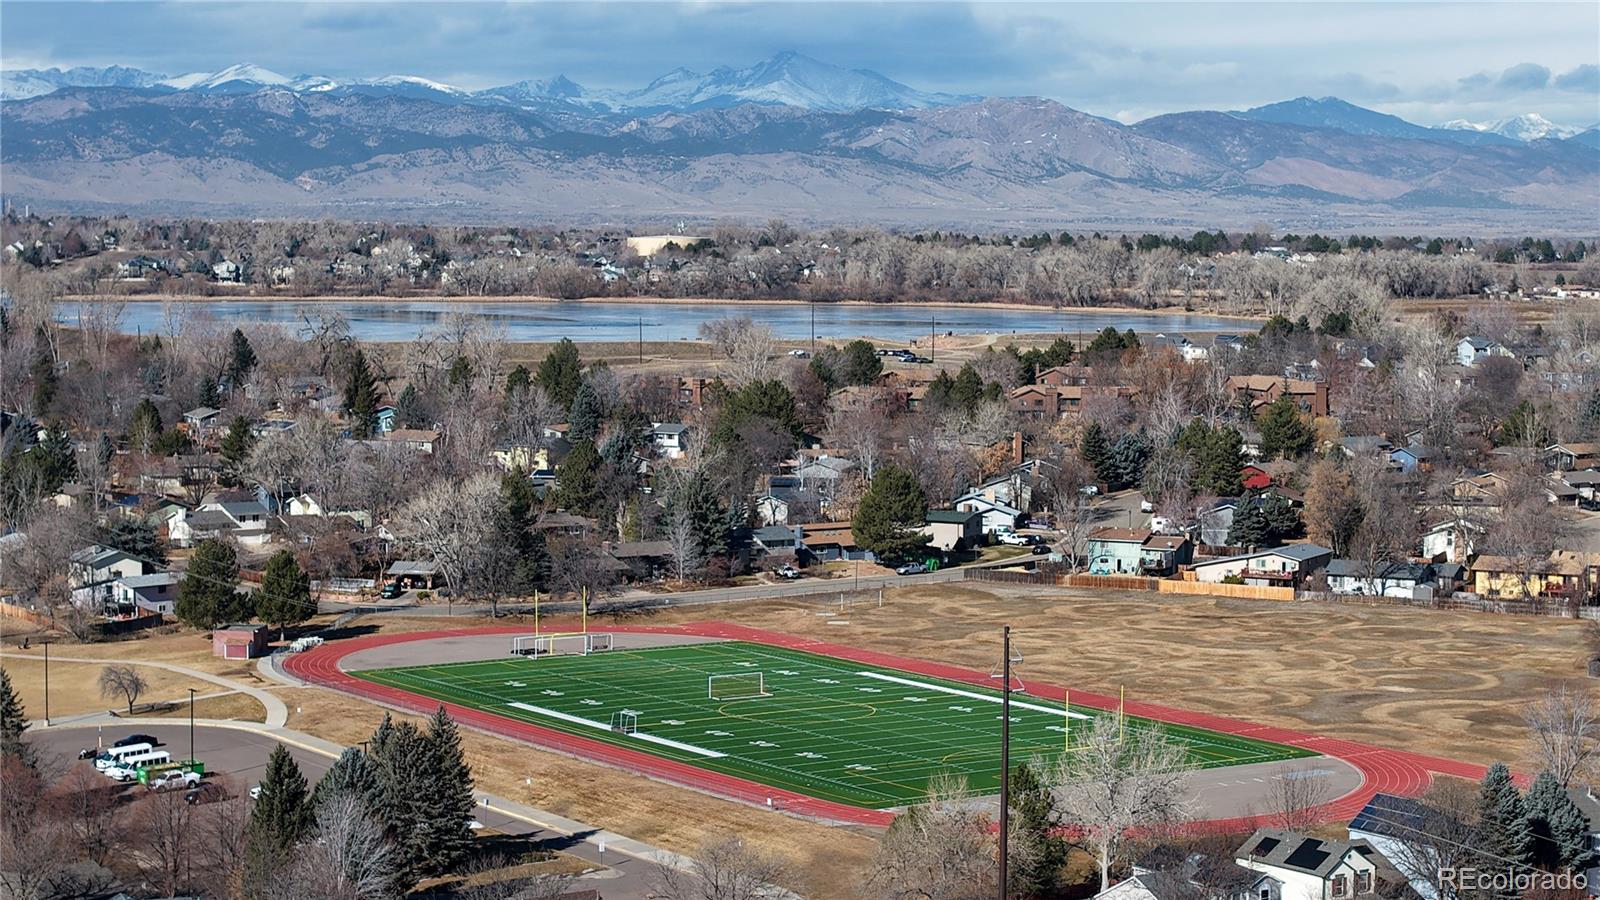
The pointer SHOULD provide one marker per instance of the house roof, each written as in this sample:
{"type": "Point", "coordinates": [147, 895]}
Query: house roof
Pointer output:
{"type": "Point", "coordinates": [986, 505]}
{"type": "Point", "coordinates": [1120, 535]}
{"type": "Point", "coordinates": [949, 516]}
{"type": "Point", "coordinates": [1298, 552]}
{"type": "Point", "coordinates": [771, 533]}
{"type": "Point", "coordinates": [412, 567]}
{"type": "Point", "coordinates": [1393, 570]}
{"type": "Point", "coordinates": [1578, 449]}
{"type": "Point", "coordinates": [669, 428]}
{"type": "Point", "coordinates": [155, 579]}
{"type": "Point", "coordinates": [1386, 815]}
{"type": "Point", "coordinates": [201, 412]}
{"type": "Point", "coordinates": [1165, 542]}
{"type": "Point", "coordinates": [1296, 852]}
{"type": "Point", "coordinates": [641, 549]}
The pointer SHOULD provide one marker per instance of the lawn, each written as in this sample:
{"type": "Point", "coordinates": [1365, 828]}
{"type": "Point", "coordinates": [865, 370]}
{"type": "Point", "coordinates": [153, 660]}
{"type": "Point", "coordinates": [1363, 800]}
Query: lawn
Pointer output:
{"type": "Point", "coordinates": [828, 728]}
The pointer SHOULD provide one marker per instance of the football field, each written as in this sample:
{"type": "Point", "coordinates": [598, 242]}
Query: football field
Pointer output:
{"type": "Point", "coordinates": [817, 725]}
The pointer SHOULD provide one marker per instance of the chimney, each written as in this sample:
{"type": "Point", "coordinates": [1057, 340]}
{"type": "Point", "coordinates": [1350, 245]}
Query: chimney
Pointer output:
{"type": "Point", "coordinates": [1016, 448]}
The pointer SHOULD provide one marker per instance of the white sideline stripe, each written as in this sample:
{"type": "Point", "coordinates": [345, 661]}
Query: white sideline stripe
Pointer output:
{"type": "Point", "coordinates": [579, 720]}
{"type": "Point", "coordinates": [972, 694]}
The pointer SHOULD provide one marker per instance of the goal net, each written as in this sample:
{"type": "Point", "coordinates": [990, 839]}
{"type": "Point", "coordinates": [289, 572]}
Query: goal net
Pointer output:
{"type": "Point", "coordinates": [578, 643]}
{"type": "Point", "coordinates": [625, 721]}
{"type": "Point", "coordinates": [736, 686]}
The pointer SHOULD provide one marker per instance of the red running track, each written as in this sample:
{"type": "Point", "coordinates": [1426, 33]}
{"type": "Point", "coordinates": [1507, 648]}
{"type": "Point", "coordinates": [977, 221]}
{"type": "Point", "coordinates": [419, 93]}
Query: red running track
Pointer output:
{"type": "Point", "coordinates": [1382, 770]}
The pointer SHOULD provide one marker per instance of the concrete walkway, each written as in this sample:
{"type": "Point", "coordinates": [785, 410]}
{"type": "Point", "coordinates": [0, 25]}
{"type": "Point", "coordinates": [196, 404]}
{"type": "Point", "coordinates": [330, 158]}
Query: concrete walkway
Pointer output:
{"type": "Point", "coordinates": [277, 712]}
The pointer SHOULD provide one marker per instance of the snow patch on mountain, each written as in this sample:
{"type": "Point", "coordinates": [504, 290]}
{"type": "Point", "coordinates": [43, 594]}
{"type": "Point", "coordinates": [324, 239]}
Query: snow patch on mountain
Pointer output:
{"type": "Point", "coordinates": [1526, 127]}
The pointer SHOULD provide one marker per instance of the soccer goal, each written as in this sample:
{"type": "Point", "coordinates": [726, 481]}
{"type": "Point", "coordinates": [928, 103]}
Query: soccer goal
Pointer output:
{"type": "Point", "coordinates": [737, 686]}
{"type": "Point", "coordinates": [625, 721]}
{"type": "Point", "coordinates": [580, 643]}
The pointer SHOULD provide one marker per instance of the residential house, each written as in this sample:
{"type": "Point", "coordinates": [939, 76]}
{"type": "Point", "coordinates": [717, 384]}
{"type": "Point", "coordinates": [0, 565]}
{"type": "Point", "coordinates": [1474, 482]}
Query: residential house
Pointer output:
{"type": "Point", "coordinates": [565, 523]}
{"type": "Point", "coordinates": [1060, 376]}
{"type": "Point", "coordinates": [1260, 390]}
{"type": "Point", "coordinates": [1365, 446]}
{"type": "Point", "coordinates": [1311, 868]}
{"type": "Point", "coordinates": [950, 529]}
{"type": "Point", "coordinates": [997, 516]}
{"type": "Point", "coordinates": [415, 574]}
{"type": "Point", "coordinates": [307, 505]}
{"type": "Point", "coordinates": [1450, 540]}
{"type": "Point", "coordinates": [140, 595]}
{"type": "Point", "coordinates": [1570, 457]}
{"type": "Point", "coordinates": [1255, 478]}
{"type": "Point", "coordinates": [245, 521]}
{"type": "Point", "coordinates": [776, 540]}
{"type": "Point", "coordinates": [645, 560]}
{"type": "Point", "coordinates": [201, 419]}
{"type": "Point", "coordinates": [1286, 566]}
{"type": "Point", "coordinates": [1116, 551]}
{"type": "Point", "coordinates": [1473, 349]}
{"type": "Point", "coordinates": [831, 541]}
{"type": "Point", "coordinates": [227, 270]}
{"type": "Point", "coordinates": [1412, 459]}
{"type": "Point", "coordinates": [385, 419]}
{"type": "Point", "coordinates": [1385, 579]}
{"type": "Point", "coordinates": [1177, 343]}
{"type": "Point", "coordinates": [92, 571]}
{"type": "Point", "coordinates": [823, 473]}
{"type": "Point", "coordinates": [1162, 554]}
{"type": "Point", "coordinates": [668, 438]}
{"type": "Point", "coordinates": [1198, 877]}
{"type": "Point", "coordinates": [421, 440]}
{"type": "Point", "coordinates": [692, 391]}
{"type": "Point", "coordinates": [1563, 575]}
{"type": "Point", "coordinates": [1043, 402]}
{"type": "Point", "coordinates": [1217, 520]}
{"type": "Point", "coordinates": [771, 509]}
{"type": "Point", "coordinates": [1588, 804]}
{"type": "Point", "coordinates": [1232, 343]}
{"type": "Point", "coordinates": [1398, 828]}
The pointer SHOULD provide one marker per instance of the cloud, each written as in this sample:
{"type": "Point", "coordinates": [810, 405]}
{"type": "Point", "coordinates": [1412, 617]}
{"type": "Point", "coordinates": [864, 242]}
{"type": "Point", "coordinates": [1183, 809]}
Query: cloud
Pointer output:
{"type": "Point", "coordinates": [1584, 78]}
{"type": "Point", "coordinates": [1524, 77]}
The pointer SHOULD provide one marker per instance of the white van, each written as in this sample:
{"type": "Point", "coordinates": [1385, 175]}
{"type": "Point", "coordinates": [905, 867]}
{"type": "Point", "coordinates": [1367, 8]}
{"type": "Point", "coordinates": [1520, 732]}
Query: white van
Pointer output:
{"type": "Point", "coordinates": [116, 755]}
{"type": "Point", "coordinates": [128, 768]}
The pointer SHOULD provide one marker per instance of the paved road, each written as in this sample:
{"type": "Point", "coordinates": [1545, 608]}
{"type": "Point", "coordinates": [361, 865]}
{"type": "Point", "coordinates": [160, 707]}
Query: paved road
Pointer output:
{"type": "Point", "coordinates": [804, 587]}
{"type": "Point", "coordinates": [242, 756]}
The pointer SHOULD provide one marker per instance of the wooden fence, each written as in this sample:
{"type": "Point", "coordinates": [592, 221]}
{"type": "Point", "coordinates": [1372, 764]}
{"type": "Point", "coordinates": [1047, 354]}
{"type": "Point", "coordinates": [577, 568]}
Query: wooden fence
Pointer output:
{"type": "Point", "coordinates": [1131, 583]}
{"type": "Point", "coordinates": [27, 615]}
{"type": "Point", "coordinates": [1235, 591]}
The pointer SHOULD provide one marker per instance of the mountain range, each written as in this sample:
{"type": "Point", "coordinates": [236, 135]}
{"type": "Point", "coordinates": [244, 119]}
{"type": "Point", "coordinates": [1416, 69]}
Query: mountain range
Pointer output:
{"type": "Point", "coordinates": [789, 136]}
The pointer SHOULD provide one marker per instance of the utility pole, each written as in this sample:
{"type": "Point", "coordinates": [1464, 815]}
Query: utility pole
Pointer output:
{"type": "Point", "coordinates": [1005, 754]}
{"type": "Point", "coordinates": [933, 338]}
{"type": "Point", "coordinates": [47, 681]}
{"type": "Point", "coordinates": [191, 724]}
{"type": "Point", "coordinates": [641, 340]}
{"type": "Point", "coordinates": [813, 326]}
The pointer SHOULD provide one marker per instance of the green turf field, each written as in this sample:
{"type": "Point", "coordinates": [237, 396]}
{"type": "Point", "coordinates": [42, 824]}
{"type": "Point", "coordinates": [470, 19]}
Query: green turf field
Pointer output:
{"type": "Point", "coordinates": [831, 728]}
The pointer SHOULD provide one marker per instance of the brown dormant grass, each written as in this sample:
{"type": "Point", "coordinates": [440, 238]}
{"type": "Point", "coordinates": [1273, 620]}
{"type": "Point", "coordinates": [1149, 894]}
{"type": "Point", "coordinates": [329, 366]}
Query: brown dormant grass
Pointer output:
{"type": "Point", "coordinates": [75, 687]}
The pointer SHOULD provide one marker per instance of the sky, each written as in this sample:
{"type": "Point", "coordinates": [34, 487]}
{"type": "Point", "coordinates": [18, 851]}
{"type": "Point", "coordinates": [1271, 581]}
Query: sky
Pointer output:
{"type": "Point", "coordinates": [1427, 62]}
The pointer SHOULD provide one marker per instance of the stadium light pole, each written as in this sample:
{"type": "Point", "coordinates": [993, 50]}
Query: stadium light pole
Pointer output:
{"type": "Point", "coordinates": [1005, 753]}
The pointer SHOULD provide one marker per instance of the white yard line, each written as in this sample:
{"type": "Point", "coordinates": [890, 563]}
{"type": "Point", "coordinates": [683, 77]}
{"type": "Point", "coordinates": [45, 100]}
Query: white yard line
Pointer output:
{"type": "Point", "coordinates": [579, 720]}
{"type": "Point", "coordinates": [1021, 704]}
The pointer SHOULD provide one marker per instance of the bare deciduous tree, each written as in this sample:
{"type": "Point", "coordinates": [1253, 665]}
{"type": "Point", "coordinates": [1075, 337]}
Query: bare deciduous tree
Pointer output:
{"type": "Point", "coordinates": [942, 848]}
{"type": "Point", "coordinates": [163, 829]}
{"type": "Point", "coordinates": [124, 681]}
{"type": "Point", "coordinates": [728, 869]}
{"type": "Point", "coordinates": [1565, 727]}
{"type": "Point", "coordinates": [684, 544]}
{"type": "Point", "coordinates": [745, 344]}
{"type": "Point", "coordinates": [1117, 781]}
{"type": "Point", "coordinates": [452, 523]}
{"type": "Point", "coordinates": [1298, 796]}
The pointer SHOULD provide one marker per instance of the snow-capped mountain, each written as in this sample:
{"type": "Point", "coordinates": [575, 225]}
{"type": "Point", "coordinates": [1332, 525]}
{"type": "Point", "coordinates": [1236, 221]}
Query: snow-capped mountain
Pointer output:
{"type": "Point", "coordinates": [19, 84]}
{"type": "Point", "coordinates": [1526, 127]}
{"type": "Point", "coordinates": [787, 79]}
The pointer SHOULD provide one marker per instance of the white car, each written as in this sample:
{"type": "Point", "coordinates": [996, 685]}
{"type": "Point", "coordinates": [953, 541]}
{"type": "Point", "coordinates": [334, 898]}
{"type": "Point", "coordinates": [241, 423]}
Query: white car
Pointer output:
{"type": "Point", "coordinates": [120, 773]}
{"type": "Point", "coordinates": [1014, 539]}
{"type": "Point", "coordinates": [1145, 506]}
{"type": "Point", "coordinates": [255, 792]}
{"type": "Point", "coordinates": [1088, 490]}
{"type": "Point", "coordinates": [174, 779]}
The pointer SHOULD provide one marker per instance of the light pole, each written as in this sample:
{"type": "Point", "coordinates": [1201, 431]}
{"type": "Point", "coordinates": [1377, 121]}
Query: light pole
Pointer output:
{"type": "Point", "coordinates": [191, 724]}
{"type": "Point", "coordinates": [47, 680]}
{"type": "Point", "coordinates": [1005, 753]}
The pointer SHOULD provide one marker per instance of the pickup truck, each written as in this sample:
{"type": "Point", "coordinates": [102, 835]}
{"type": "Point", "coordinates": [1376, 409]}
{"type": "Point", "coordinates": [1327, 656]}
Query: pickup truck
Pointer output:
{"type": "Point", "coordinates": [174, 779]}
{"type": "Point", "coordinates": [1013, 539]}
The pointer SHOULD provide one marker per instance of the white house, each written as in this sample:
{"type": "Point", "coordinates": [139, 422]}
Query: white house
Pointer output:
{"type": "Point", "coordinates": [92, 571]}
{"type": "Point", "coordinates": [1473, 349]}
{"type": "Point", "coordinates": [156, 592]}
{"type": "Point", "coordinates": [307, 505]}
{"type": "Point", "coordinates": [243, 520]}
{"type": "Point", "coordinates": [1392, 826]}
{"type": "Point", "coordinates": [1311, 868]}
{"type": "Point", "coordinates": [1188, 882]}
{"type": "Point", "coordinates": [1286, 566]}
{"type": "Point", "coordinates": [668, 438]}
{"type": "Point", "coordinates": [997, 516]}
{"type": "Point", "coordinates": [771, 509]}
{"type": "Point", "coordinates": [1387, 579]}
{"type": "Point", "coordinates": [1450, 540]}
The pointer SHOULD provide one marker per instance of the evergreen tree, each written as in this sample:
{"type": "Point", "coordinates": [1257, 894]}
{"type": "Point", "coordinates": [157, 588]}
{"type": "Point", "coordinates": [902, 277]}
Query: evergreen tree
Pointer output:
{"type": "Point", "coordinates": [560, 372]}
{"type": "Point", "coordinates": [769, 401]}
{"type": "Point", "coordinates": [1283, 521]}
{"type": "Point", "coordinates": [578, 486]}
{"type": "Point", "coordinates": [236, 447]}
{"type": "Point", "coordinates": [450, 795]}
{"type": "Point", "coordinates": [1503, 832]}
{"type": "Point", "coordinates": [1109, 340]}
{"type": "Point", "coordinates": [360, 395]}
{"type": "Point", "coordinates": [137, 537]}
{"type": "Point", "coordinates": [1250, 527]}
{"type": "Point", "coordinates": [144, 426]}
{"type": "Point", "coordinates": [585, 418]}
{"type": "Point", "coordinates": [281, 816]}
{"type": "Point", "coordinates": [695, 497]}
{"type": "Point", "coordinates": [399, 754]}
{"type": "Point", "coordinates": [858, 364]}
{"type": "Point", "coordinates": [43, 372]}
{"type": "Point", "coordinates": [940, 390]}
{"type": "Point", "coordinates": [1038, 873]}
{"type": "Point", "coordinates": [285, 595]}
{"type": "Point", "coordinates": [530, 558]}
{"type": "Point", "coordinates": [209, 595]}
{"type": "Point", "coordinates": [1217, 455]}
{"type": "Point", "coordinates": [241, 359]}
{"type": "Point", "coordinates": [408, 411]}
{"type": "Point", "coordinates": [1284, 431]}
{"type": "Point", "coordinates": [1127, 458]}
{"type": "Point", "coordinates": [210, 394]}
{"type": "Point", "coordinates": [351, 775]}
{"type": "Point", "coordinates": [968, 389]}
{"type": "Point", "coordinates": [518, 381]}
{"type": "Point", "coordinates": [890, 516]}
{"type": "Point", "coordinates": [13, 722]}
{"type": "Point", "coordinates": [1094, 450]}
{"type": "Point", "coordinates": [459, 378]}
{"type": "Point", "coordinates": [1559, 833]}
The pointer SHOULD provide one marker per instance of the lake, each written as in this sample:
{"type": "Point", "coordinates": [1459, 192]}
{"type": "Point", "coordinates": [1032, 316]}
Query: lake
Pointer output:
{"type": "Point", "coordinates": [611, 320]}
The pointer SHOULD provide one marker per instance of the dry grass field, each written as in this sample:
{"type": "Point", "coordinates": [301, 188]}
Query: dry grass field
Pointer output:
{"type": "Point", "coordinates": [75, 687]}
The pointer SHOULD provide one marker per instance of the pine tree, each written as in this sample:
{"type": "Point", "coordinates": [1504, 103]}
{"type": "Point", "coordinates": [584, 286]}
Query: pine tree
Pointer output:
{"type": "Point", "coordinates": [585, 418]}
{"type": "Point", "coordinates": [1503, 833]}
{"type": "Point", "coordinates": [398, 753]}
{"type": "Point", "coordinates": [560, 372]}
{"type": "Point", "coordinates": [940, 390]}
{"type": "Point", "coordinates": [1284, 431]}
{"type": "Point", "coordinates": [209, 595]}
{"type": "Point", "coordinates": [137, 537]}
{"type": "Point", "coordinates": [236, 447]}
{"type": "Point", "coordinates": [408, 411]}
{"type": "Point", "coordinates": [1558, 830]}
{"type": "Point", "coordinates": [241, 359]}
{"type": "Point", "coordinates": [210, 395]}
{"type": "Point", "coordinates": [43, 372]}
{"type": "Point", "coordinates": [144, 426]}
{"type": "Point", "coordinates": [281, 816]}
{"type": "Point", "coordinates": [459, 378]}
{"type": "Point", "coordinates": [351, 775]}
{"type": "Point", "coordinates": [360, 396]}
{"type": "Point", "coordinates": [450, 795]}
{"type": "Point", "coordinates": [519, 380]}
{"type": "Point", "coordinates": [1094, 450]}
{"type": "Point", "coordinates": [578, 487]}
{"type": "Point", "coordinates": [1283, 521]}
{"type": "Point", "coordinates": [890, 516]}
{"type": "Point", "coordinates": [858, 364]}
{"type": "Point", "coordinates": [1038, 873]}
{"type": "Point", "coordinates": [285, 595]}
{"type": "Point", "coordinates": [1250, 527]}
{"type": "Point", "coordinates": [13, 722]}
{"type": "Point", "coordinates": [968, 389]}
{"type": "Point", "coordinates": [1126, 460]}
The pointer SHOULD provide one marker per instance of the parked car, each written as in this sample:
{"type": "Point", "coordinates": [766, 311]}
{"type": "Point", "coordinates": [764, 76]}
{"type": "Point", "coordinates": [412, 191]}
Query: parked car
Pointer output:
{"type": "Point", "coordinates": [1088, 490]}
{"type": "Point", "coordinates": [1145, 506]}
{"type": "Point", "coordinates": [1015, 540]}
{"type": "Point", "coordinates": [255, 792]}
{"type": "Point", "coordinates": [1041, 549]}
{"type": "Point", "coordinates": [800, 354]}
{"type": "Point", "coordinates": [89, 753]}
{"type": "Point", "coordinates": [391, 591]}
{"type": "Point", "coordinates": [137, 739]}
{"type": "Point", "coordinates": [206, 792]}
{"type": "Point", "coordinates": [915, 568]}
{"type": "Point", "coordinates": [174, 779]}
{"type": "Point", "coordinates": [120, 773]}
{"type": "Point", "coordinates": [789, 572]}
